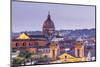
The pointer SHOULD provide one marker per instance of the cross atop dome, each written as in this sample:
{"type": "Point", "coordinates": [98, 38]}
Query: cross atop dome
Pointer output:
{"type": "Point", "coordinates": [49, 17]}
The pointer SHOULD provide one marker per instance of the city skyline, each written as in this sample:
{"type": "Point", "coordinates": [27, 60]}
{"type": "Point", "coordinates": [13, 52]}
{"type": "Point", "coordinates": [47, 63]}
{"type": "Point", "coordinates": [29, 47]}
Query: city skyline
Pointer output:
{"type": "Point", "coordinates": [31, 16]}
{"type": "Point", "coordinates": [48, 33]}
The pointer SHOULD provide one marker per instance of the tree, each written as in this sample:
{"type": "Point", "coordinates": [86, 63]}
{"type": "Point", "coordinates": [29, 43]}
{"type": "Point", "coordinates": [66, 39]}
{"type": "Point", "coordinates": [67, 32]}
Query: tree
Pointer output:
{"type": "Point", "coordinates": [22, 57]}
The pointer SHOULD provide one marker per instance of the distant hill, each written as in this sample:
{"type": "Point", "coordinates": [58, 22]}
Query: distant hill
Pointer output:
{"type": "Point", "coordinates": [79, 32]}
{"type": "Point", "coordinates": [83, 32]}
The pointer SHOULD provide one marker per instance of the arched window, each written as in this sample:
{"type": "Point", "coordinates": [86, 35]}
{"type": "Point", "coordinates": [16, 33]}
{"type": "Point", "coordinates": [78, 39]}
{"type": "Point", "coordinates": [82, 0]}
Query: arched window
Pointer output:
{"type": "Point", "coordinates": [65, 57]}
{"type": "Point", "coordinates": [16, 44]}
{"type": "Point", "coordinates": [24, 43]}
{"type": "Point", "coordinates": [30, 44]}
{"type": "Point", "coordinates": [53, 53]}
{"type": "Point", "coordinates": [78, 52]}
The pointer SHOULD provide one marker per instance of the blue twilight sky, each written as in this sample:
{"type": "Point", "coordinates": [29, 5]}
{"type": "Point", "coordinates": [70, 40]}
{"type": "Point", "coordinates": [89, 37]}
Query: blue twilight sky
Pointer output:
{"type": "Point", "coordinates": [27, 16]}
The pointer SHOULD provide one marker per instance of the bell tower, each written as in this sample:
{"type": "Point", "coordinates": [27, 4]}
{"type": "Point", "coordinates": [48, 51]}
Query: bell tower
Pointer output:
{"type": "Point", "coordinates": [54, 50]}
{"type": "Point", "coordinates": [79, 48]}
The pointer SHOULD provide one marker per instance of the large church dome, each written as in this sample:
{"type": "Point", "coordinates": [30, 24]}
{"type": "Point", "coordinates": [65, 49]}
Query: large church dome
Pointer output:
{"type": "Point", "coordinates": [48, 26]}
{"type": "Point", "coordinates": [48, 22]}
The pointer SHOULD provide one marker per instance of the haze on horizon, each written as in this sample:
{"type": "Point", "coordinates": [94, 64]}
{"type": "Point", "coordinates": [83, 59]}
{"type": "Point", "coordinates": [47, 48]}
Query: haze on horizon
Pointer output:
{"type": "Point", "coordinates": [28, 16]}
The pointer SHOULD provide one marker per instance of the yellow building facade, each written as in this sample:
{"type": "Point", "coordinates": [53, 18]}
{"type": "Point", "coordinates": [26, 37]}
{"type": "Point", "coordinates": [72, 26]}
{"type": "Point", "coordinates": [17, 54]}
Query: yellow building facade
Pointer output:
{"type": "Point", "coordinates": [23, 36]}
{"type": "Point", "coordinates": [54, 49]}
{"type": "Point", "coordinates": [68, 58]}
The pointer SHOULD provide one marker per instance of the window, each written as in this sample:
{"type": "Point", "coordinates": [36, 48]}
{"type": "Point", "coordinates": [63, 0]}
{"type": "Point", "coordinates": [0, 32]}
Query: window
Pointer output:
{"type": "Point", "coordinates": [78, 52]}
{"type": "Point", "coordinates": [30, 45]}
{"type": "Point", "coordinates": [65, 57]}
{"type": "Point", "coordinates": [53, 53]}
{"type": "Point", "coordinates": [16, 44]}
{"type": "Point", "coordinates": [24, 43]}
